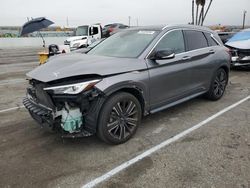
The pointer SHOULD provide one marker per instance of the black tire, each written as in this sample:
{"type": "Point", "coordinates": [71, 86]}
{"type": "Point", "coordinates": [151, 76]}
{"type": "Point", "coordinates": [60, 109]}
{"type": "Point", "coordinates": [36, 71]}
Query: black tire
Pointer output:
{"type": "Point", "coordinates": [218, 85]}
{"type": "Point", "coordinates": [119, 118]}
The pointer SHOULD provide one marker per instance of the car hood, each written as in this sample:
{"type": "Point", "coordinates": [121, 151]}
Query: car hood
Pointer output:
{"type": "Point", "coordinates": [69, 65]}
{"type": "Point", "coordinates": [243, 44]}
{"type": "Point", "coordinates": [75, 38]}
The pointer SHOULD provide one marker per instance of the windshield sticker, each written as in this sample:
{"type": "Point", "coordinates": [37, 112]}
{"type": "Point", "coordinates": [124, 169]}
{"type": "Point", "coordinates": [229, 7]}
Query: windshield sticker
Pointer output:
{"type": "Point", "coordinates": [146, 32]}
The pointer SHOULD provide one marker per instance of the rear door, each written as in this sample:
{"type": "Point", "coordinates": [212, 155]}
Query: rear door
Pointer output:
{"type": "Point", "coordinates": [169, 79]}
{"type": "Point", "coordinates": [201, 59]}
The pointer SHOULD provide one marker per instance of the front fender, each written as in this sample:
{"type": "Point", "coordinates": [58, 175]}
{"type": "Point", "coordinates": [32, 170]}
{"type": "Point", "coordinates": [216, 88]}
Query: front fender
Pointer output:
{"type": "Point", "coordinates": [111, 84]}
{"type": "Point", "coordinates": [138, 80]}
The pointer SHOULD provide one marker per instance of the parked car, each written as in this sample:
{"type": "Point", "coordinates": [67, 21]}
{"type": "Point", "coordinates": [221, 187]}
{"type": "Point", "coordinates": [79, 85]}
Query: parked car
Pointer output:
{"type": "Point", "coordinates": [239, 45]}
{"type": "Point", "coordinates": [91, 46]}
{"type": "Point", "coordinates": [110, 29]}
{"type": "Point", "coordinates": [131, 74]}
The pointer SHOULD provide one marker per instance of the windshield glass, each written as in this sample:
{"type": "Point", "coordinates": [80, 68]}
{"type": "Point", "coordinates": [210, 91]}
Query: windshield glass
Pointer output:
{"type": "Point", "coordinates": [82, 30]}
{"type": "Point", "coordinates": [128, 44]}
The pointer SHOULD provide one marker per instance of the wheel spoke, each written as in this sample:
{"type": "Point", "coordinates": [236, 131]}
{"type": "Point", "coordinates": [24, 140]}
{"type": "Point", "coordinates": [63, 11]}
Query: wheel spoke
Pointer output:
{"type": "Point", "coordinates": [113, 125]}
{"type": "Point", "coordinates": [118, 110]}
{"type": "Point", "coordinates": [122, 131]}
{"type": "Point", "coordinates": [216, 90]}
{"type": "Point", "coordinates": [220, 91]}
{"type": "Point", "coordinates": [223, 83]}
{"type": "Point", "coordinates": [221, 76]}
{"type": "Point", "coordinates": [115, 130]}
{"type": "Point", "coordinates": [131, 121]}
{"type": "Point", "coordinates": [130, 109]}
{"type": "Point", "coordinates": [217, 81]}
{"type": "Point", "coordinates": [128, 128]}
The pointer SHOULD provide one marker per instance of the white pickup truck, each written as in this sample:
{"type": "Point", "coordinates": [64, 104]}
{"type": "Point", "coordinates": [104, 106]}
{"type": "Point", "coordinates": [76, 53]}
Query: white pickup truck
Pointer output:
{"type": "Point", "coordinates": [84, 36]}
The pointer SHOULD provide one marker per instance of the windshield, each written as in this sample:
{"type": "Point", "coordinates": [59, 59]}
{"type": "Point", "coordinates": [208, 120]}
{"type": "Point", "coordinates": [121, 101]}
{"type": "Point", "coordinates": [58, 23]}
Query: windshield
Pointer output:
{"type": "Point", "coordinates": [82, 30]}
{"type": "Point", "coordinates": [128, 44]}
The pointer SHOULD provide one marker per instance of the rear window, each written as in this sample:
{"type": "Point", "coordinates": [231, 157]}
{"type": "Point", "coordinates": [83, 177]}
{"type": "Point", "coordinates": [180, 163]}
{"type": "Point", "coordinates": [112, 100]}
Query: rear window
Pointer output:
{"type": "Point", "coordinates": [195, 40]}
{"type": "Point", "coordinates": [210, 40]}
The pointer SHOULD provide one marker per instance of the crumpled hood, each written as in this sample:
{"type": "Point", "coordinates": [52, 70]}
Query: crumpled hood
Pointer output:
{"type": "Point", "coordinates": [243, 44]}
{"type": "Point", "coordinates": [69, 65]}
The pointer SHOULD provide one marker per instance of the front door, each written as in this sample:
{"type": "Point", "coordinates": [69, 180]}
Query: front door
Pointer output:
{"type": "Point", "coordinates": [169, 78]}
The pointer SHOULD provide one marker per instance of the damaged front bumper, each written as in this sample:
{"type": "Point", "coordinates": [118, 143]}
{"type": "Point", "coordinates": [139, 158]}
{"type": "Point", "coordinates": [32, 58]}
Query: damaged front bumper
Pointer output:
{"type": "Point", "coordinates": [240, 57]}
{"type": "Point", "coordinates": [39, 112]}
{"type": "Point", "coordinates": [72, 115]}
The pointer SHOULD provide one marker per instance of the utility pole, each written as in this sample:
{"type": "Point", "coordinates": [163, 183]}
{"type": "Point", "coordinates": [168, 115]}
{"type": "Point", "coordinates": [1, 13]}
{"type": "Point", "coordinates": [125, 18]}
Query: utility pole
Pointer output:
{"type": "Point", "coordinates": [192, 12]}
{"type": "Point", "coordinates": [129, 19]}
{"type": "Point", "coordinates": [244, 19]}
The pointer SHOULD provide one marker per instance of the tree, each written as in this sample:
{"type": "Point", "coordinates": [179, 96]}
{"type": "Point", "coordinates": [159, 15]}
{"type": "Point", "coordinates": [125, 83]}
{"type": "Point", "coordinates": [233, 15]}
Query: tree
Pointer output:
{"type": "Point", "coordinates": [198, 2]}
{"type": "Point", "coordinates": [200, 17]}
{"type": "Point", "coordinates": [192, 12]}
{"type": "Point", "coordinates": [207, 11]}
{"type": "Point", "coordinates": [202, 4]}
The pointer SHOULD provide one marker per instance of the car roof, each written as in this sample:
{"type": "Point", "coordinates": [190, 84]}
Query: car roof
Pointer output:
{"type": "Point", "coordinates": [172, 26]}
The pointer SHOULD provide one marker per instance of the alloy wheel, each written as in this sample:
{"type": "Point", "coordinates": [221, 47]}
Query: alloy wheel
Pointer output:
{"type": "Point", "coordinates": [220, 83]}
{"type": "Point", "coordinates": [123, 119]}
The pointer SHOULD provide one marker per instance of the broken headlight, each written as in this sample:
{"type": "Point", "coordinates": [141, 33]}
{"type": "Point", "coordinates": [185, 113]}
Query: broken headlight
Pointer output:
{"type": "Point", "coordinates": [73, 88]}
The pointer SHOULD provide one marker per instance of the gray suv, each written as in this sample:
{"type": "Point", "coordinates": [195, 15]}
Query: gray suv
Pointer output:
{"type": "Point", "coordinates": [133, 73]}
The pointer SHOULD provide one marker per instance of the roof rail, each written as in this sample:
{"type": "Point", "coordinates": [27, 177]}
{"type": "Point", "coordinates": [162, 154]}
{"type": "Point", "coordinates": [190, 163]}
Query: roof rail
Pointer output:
{"type": "Point", "coordinates": [164, 27]}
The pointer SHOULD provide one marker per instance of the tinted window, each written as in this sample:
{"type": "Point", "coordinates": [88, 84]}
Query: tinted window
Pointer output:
{"type": "Point", "coordinates": [173, 40]}
{"type": "Point", "coordinates": [93, 30]}
{"type": "Point", "coordinates": [123, 26]}
{"type": "Point", "coordinates": [210, 40]}
{"type": "Point", "coordinates": [195, 40]}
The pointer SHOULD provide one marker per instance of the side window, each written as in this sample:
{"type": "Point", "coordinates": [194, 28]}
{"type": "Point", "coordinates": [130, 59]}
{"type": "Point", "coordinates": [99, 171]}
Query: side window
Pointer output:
{"type": "Point", "coordinates": [93, 30]}
{"type": "Point", "coordinates": [210, 40]}
{"type": "Point", "coordinates": [123, 26]}
{"type": "Point", "coordinates": [174, 41]}
{"type": "Point", "coordinates": [195, 40]}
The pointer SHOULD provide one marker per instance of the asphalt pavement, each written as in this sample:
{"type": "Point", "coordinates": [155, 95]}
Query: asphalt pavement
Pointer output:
{"type": "Point", "coordinates": [215, 155]}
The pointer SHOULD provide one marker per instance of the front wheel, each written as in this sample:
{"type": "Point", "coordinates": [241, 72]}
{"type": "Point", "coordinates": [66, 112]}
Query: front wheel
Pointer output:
{"type": "Point", "coordinates": [119, 118]}
{"type": "Point", "coordinates": [218, 85]}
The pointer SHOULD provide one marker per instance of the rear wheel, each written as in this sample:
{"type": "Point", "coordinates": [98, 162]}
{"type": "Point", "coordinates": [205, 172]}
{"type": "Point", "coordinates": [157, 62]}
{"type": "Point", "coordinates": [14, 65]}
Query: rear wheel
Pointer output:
{"type": "Point", "coordinates": [218, 85]}
{"type": "Point", "coordinates": [119, 118]}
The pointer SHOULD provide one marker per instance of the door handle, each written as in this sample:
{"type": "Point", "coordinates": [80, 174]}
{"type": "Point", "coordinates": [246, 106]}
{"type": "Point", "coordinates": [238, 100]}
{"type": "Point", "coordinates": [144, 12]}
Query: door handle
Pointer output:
{"type": "Point", "coordinates": [185, 58]}
{"type": "Point", "coordinates": [211, 51]}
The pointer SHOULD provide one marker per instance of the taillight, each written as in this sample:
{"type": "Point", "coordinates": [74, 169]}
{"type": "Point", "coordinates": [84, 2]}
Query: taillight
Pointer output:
{"type": "Point", "coordinates": [111, 30]}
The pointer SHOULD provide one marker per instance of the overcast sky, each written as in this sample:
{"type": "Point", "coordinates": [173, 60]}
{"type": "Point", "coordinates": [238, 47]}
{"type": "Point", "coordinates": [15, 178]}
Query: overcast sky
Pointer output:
{"type": "Point", "coordinates": [148, 12]}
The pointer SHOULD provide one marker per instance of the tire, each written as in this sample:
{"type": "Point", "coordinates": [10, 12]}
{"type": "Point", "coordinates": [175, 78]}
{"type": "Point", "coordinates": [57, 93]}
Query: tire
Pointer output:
{"type": "Point", "coordinates": [119, 118]}
{"type": "Point", "coordinates": [218, 85]}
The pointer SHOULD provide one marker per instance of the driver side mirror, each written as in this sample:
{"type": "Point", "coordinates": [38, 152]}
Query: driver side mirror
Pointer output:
{"type": "Point", "coordinates": [162, 54]}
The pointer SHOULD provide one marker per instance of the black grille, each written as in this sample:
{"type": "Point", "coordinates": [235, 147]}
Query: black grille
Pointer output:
{"type": "Point", "coordinates": [39, 96]}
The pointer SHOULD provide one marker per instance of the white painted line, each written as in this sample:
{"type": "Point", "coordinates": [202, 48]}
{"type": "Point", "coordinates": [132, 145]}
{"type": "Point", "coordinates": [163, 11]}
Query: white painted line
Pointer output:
{"type": "Point", "coordinates": [10, 109]}
{"type": "Point", "coordinates": [8, 82]}
{"type": "Point", "coordinates": [165, 143]}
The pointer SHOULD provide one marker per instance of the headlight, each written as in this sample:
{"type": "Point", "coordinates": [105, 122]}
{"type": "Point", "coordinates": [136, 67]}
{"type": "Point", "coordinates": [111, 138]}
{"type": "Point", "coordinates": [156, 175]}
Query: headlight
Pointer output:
{"type": "Point", "coordinates": [73, 88]}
